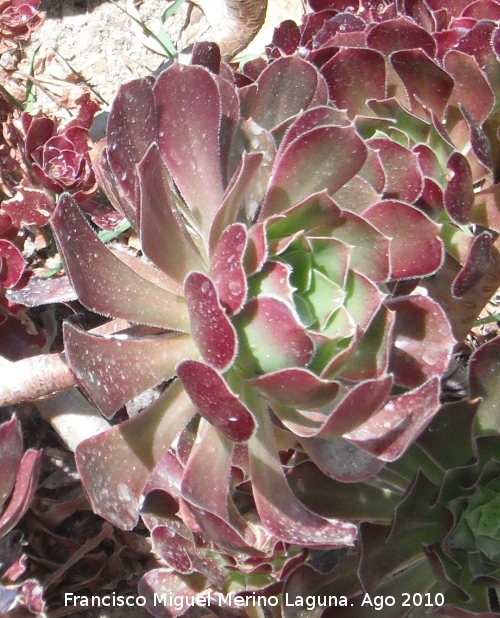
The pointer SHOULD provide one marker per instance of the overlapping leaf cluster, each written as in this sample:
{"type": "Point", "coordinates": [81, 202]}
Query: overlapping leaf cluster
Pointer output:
{"type": "Point", "coordinates": [317, 232]}
{"type": "Point", "coordinates": [18, 18]}
{"type": "Point", "coordinates": [429, 522]}
{"type": "Point", "coordinates": [20, 471]}
{"type": "Point", "coordinates": [423, 75]}
{"type": "Point", "coordinates": [282, 220]}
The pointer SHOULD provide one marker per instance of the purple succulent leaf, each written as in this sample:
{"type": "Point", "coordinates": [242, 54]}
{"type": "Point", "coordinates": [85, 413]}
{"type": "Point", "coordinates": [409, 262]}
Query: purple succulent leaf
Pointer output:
{"type": "Point", "coordinates": [12, 264]}
{"type": "Point", "coordinates": [230, 149]}
{"type": "Point", "coordinates": [258, 140]}
{"type": "Point", "coordinates": [234, 196]}
{"type": "Point", "coordinates": [311, 119]}
{"type": "Point", "coordinates": [356, 195]}
{"type": "Point", "coordinates": [276, 281]}
{"type": "Point", "coordinates": [149, 272]}
{"type": "Point", "coordinates": [354, 76]}
{"type": "Point", "coordinates": [26, 483]}
{"type": "Point", "coordinates": [271, 336]}
{"type": "Point", "coordinates": [11, 454]}
{"type": "Point", "coordinates": [104, 283]}
{"type": "Point", "coordinates": [486, 210]}
{"type": "Point", "coordinates": [373, 172]}
{"type": "Point", "coordinates": [300, 80]}
{"type": "Point", "coordinates": [29, 205]}
{"type": "Point", "coordinates": [104, 217]}
{"type": "Point", "coordinates": [130, 132]}
{"type": "Point", "coordinates": [164, 236]}
{"type": "Point", "coordinates": [138, 444]}
{"type": "Point", "coordinates": [442, 131]}
{"type": "Point", "coordinates": [7, 221]}
{"type": "Point", "coordinates": [484, 382]}
{"type": "Point", "coordinates": [356, 407]}
{"type": "Point", "coordinates": [423, 340]}
{"type": "Point", "coordinates": [399, 34]}
{"type": "Point", "coordinates": [211, 328]}
{"type": "Point", "coordinates": [314, 161]}
{"type": "Point", "coordinates": [173, 548]}
{"type": "Point", "coordinates": [481, 145]}
{"type": "Point", "coordinates": [425, 81]}
{"type": "Point", "coordinates": [371, 353]}
{"type": "Point", "coordinates": [257, 249]}
{"type": "Point", "coordinates": [178, 589]}
{"type": "Point", "coordinates": [189, 108]}
{"type": "Point", "coordinates": [279, 510]}
{"type": "Point", "coordinates": [482, 9]}
{"type": "Point", "coordinates": [107, 182]}
{"type": "Point", "coordinates": [363, 300]}
{"type": "Point", "coordinates": [341, 460]}
{"type": "Point", "coordinates": [296, 387]}
{"type": "Point", "coordinates": [167, 477]}
{"type": "Point", "coordinates": [415, 249]}
{"type": "Point", "coordinates": [343, 30]}
{"type": "Point", "coordinates": [403, 175]}
{"type": "Point", "coordinates": [370, 247]}
{"type": "Point", "coordinates": [474, 268]}
{"type": "Point", "coordinates": [116, 368]}
{"type": "Point", "coordinates": [215, 401]}
{"type": "Point", "coordinates": [430, 165]}
{"type": "Point", "coordinates": [477, 43]}
{"type": "Point", "coordinates": [471, 87]}
{"type": "Point", "coordinates": [39, 130]}
{"type": "Point", "coordinates": [227, 269]}
{"type": "Point", "coordinates": [177, 548]}
{"type": "Point", "coordinates": [459, 192]}
{"type": "Point", "coordinates": [391, 431]}
{"type": "Point", "coordinates": [207, 54]}
{"type": "Point", "coordinates": [431, 199]}
{"type": "Point", "coordinates": [286, 37]}
{"type": "Point", "coordinates": [214, 510]}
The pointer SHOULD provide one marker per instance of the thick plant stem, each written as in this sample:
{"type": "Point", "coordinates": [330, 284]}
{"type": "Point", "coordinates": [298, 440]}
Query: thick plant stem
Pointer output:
{"type": "Point", "coordinates": [233, 23]}
{"type": "Point", "coordinates": [34, 378]}
{"type": "Point", "coordinates": [73, 417]}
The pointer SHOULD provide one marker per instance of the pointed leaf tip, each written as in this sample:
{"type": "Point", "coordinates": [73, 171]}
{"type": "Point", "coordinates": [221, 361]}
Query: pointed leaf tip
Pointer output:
{"type": "Point", "coordinates": [189, 106]}
{"type": "Point", "coordinates": [210, 327]}
{"type": "Point", "coordinates": [227, 267]}
{"type": "Point", "coordinates": [215, 401]}
{"type": "Point", "coordinates": [104, 283]}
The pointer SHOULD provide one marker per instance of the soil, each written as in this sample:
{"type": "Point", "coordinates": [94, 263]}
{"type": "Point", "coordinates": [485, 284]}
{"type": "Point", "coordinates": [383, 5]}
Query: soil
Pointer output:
{"type": "Point", "coordinates": [97, 42]}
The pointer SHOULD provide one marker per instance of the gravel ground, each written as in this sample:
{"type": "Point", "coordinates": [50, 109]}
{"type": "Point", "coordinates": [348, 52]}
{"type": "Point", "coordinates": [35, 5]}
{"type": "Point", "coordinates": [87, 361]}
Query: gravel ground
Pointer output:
{"type": "Point", "coordinates": [107, 48]}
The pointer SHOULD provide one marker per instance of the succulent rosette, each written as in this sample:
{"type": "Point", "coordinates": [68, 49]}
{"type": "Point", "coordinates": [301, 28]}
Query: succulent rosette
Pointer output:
{"type": "Point", "coordinates": [424, 75]}
{"type": "Point", "coordinates": [18, 18]}
{"type": "Point", "coordinates": [429, 522]}
{"type": "Point", "coordinates": [53, 159]}
{"type": "Point", "coordinates": [268, 306]}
